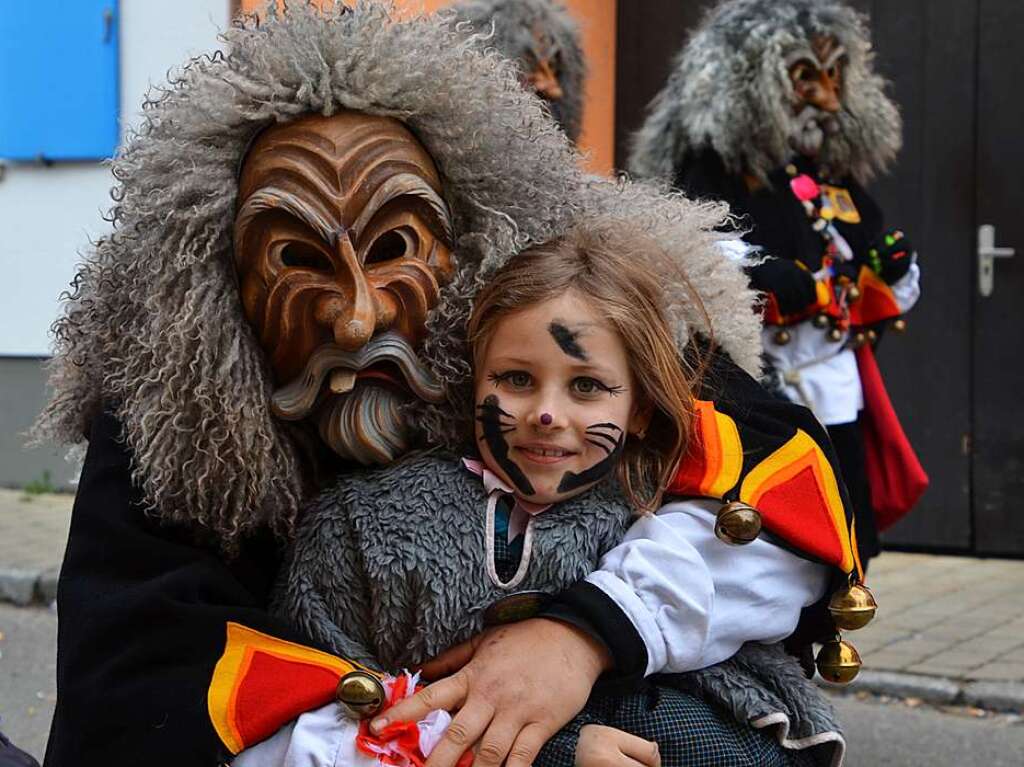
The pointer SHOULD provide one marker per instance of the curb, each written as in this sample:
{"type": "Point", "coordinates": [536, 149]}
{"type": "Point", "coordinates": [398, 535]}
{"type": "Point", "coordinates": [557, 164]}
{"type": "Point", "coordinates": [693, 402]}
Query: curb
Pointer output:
{"type": "Point", "coordinates": [27, 587]}
{"type": "Point", "coordinates": [943, 691]}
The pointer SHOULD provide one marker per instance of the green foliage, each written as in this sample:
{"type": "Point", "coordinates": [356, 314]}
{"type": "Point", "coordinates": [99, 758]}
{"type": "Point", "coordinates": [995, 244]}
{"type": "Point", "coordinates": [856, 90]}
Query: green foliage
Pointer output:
{"type": "Point", "coordinates": [40, 485]}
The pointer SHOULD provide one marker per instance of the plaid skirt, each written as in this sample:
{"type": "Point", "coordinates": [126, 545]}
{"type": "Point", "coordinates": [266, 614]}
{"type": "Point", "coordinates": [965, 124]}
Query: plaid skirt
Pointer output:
{"type": "Point", "coordinates": [689, 731]}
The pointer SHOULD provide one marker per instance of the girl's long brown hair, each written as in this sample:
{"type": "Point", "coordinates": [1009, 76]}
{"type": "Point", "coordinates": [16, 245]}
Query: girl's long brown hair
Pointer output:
{"type": "Point", "coordinates": [624, 275]}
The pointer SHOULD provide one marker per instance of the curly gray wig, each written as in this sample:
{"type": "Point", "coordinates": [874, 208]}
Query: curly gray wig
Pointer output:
{"type": "Point", "coordinates": [154, 328]}
{"type": "Point", "coordinates": [730, 91]}
{"type": "Point", "coordinates": [515, 26]}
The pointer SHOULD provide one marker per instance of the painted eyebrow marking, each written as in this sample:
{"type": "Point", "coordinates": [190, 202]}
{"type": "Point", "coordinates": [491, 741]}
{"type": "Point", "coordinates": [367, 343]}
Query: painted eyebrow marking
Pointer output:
{"type": "Point", "coordinates": [567, 340]}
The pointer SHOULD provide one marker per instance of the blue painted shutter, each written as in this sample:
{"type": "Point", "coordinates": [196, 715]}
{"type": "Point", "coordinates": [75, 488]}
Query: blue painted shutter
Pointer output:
{"type": "Point", "coordinates": [58, 79]}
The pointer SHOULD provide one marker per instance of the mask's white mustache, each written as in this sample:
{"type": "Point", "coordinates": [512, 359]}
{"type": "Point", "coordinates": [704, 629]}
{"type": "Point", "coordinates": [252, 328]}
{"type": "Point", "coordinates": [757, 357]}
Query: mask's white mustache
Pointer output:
{"type": "Point", "coordinates": [296, 399]}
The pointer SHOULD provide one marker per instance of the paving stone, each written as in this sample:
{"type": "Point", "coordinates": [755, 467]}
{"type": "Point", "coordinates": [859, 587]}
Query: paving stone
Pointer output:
{"type": "Point", "coordinates": [959, 659]}
{"type": "Point", "coordinates": [996, 696]}
{"type": "Point", "coordinates": [1001, 671]}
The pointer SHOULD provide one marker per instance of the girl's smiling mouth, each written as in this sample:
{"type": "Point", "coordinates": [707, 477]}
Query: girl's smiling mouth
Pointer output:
{"type": "Point", "coordinates": [544, 453]}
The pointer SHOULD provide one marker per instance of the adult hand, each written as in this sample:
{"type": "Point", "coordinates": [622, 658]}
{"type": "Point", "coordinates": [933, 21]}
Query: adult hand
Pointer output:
{"type": "Point", "coordinates": [514, 687]}
{"type": "Point", "coordinates": [601, 746]}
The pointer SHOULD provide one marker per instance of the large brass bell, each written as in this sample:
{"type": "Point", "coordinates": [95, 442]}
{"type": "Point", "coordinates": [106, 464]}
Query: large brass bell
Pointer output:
{"type": "Point", "coordinates": [838, 661]}
{"type": "Point", "coordinates": [782, 337]}
{"type": "Point", "coordinates": [852, 608]}
{"type": "Point", "coordinates": [820, 321]}
{"type": "Point", "coordinates": [737, 523]}
{"type": "Point", "coordinates": [899, 325]}
{"type": "Point", "coordinates": [362, 694]}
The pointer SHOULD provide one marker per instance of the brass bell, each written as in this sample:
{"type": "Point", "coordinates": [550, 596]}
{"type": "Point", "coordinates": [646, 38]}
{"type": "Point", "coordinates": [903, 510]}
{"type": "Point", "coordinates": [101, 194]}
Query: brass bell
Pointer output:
{"type": "Point", "coordinates": [859, 339]}
{"type": "Point", "coordinates": [899, 325]}
{"type": "Point", "coordinates": [834, 335]}
{"type": "Point", "coordinates": [852, 608]}
{"type": "Point", "coordinates": [838, 661]}
{"type": "Point", "coordinates": [737, 523]}
{"type": "Point", "coordinates": [782, 337]}
{"type": "Point", "coordinates": [820, 321]}
{"type": "Point", "coordinates": [362, 694]}
{"type": "Point", "coordinates": [853, 293]}
{"type": "Point", "coordinates": [872, 336]}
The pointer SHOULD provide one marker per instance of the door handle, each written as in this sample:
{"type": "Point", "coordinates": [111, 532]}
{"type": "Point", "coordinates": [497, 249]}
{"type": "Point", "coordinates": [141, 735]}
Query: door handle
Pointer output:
{"type": "Point", "coordinates": [987, 254]}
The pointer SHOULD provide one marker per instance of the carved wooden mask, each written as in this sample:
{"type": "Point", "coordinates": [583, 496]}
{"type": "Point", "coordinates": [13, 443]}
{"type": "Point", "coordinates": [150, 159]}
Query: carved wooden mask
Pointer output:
{"type": "Point", "coordinates": [816, 73]}
{"type": "Point", "coordinates": [544, 65]}
{"type": "Point", "coordinates": [341, 234]}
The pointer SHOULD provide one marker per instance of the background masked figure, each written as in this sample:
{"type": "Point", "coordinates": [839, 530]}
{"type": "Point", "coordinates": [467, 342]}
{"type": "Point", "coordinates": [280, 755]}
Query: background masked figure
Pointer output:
{"type": "Point", "coordinates": [544, 40]}
{"type": "Point", "coordinates": [299, 232]}
{"type": "Point", "coordinates": [774, 108]}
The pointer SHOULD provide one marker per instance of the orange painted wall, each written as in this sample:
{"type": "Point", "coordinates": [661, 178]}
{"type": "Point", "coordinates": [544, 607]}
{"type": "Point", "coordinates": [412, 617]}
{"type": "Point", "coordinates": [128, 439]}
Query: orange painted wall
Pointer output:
{"type": "Point", "coordinates": [597, 23]}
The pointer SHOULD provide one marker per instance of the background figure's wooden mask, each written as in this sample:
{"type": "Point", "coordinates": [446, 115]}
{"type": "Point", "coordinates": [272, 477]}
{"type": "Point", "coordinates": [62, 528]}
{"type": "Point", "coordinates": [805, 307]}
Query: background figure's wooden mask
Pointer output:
{"type": "Point", "coordinates": [342, 242]}
{"type": "Point", "coordinates": [816, 75]}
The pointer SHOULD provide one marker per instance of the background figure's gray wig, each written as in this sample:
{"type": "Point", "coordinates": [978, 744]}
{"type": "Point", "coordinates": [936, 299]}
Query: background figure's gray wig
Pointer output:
{"type": "Point", "coordinates": [154, 328]}
{"type": "Point", "coordinates": [514, 22]}
{"type": "Point", "coordinates": [730, 91]}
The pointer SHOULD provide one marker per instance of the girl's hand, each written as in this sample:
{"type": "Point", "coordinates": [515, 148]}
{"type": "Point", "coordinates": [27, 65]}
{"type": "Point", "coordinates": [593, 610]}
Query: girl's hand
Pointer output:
{"type": "Point", "coordinates": [513, 686]}
{"type": "Point", "coordinates": [601, 746]}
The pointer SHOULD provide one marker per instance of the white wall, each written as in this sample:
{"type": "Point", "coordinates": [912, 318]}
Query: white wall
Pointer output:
{"type": "Point", "coordinates": [47, 215]}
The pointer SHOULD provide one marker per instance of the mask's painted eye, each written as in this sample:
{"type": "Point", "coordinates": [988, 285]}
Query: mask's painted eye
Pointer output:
{"type": "Point", "coordinates": [302, 256]}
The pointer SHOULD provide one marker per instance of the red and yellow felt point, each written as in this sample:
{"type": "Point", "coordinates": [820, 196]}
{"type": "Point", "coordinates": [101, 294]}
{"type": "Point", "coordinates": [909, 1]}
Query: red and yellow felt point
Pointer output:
{"type": "Point", "coordinates": [261, 683]}
{"type": "Point", "coordinates": [793, 487]}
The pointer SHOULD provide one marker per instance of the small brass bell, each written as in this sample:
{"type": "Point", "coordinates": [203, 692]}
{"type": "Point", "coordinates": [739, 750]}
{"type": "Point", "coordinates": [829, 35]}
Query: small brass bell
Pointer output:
{"type": "Point", "coordinates": [820, 321]}
{"type": "Point", "coordinates": [859, 339]}
{"type": "Point", "coordinates": [872, 336]}
{"type": "Point", "coordinates": [835, 335]}
{"type": "Point", "coordinates": [361, 693]}
{"type": "Point", "coordinates": [853, 293]}
{"type": "Point", "coordinates": [737, 523]}
{"type": "Point", "coordinates": [852, 608]}
{"type": "Point", "coordinates": [782, 337]}
{"type": "Point", "coordinates": [838, 661]}
{"type": "Point", "coordinates": [899, 325]}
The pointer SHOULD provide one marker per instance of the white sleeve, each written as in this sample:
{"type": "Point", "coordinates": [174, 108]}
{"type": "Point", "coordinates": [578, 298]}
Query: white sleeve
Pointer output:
{"type": "Point", "coordinates": [695, 600]}
{"type": "Point", "coordinates": [907, 289]}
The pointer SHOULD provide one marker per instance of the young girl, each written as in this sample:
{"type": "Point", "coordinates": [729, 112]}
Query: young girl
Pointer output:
{"type": "Point", "coordinates": [582, 411]}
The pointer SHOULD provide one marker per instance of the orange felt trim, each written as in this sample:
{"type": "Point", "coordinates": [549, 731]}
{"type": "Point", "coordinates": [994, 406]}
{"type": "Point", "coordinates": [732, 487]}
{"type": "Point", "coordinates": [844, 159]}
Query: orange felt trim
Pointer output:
{"type": "Point", "coordinates": [876, 303]}
{"type": "Point", "coordinates": [242, 645]}
{"type": "Point", "coordinates": [796, 462]}
{"type": "Point", "coordinates": [714, 458]}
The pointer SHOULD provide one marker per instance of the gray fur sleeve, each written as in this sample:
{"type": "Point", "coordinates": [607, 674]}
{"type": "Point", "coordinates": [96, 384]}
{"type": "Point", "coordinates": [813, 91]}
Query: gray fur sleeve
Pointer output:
{"type": "Point", "coordinates": [322, 589]}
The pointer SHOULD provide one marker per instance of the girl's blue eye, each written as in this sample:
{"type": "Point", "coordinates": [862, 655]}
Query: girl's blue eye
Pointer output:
{"type": "Point", "coordinates": [517, 379]}
{"type": "Point", "coordinates": [588, 386]}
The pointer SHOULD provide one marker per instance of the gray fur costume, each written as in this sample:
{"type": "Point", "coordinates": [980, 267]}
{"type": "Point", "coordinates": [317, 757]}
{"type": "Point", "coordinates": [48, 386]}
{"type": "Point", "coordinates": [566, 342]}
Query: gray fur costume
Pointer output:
{"type": "Point", "coordinates": [729, 91]}
{"type": "Point", "coordinates": [388, 568]}
{"type": "Point", "coordinates": [515, 23]}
